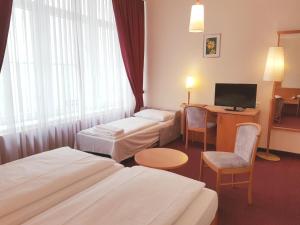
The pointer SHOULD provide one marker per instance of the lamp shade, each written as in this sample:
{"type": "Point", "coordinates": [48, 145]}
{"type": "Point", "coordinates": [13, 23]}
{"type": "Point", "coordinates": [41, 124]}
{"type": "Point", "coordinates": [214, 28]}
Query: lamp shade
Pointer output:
{"type": "Point", "coordinates": [274, 70]}
{"type": "Point", "coordinates": [197, 18]}
{"type": "Point", "coordinates": [189, 82]}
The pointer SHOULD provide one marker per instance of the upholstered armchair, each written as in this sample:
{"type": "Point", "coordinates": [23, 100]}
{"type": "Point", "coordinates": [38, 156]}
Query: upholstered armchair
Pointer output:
{"type": "Point", "coordinates": [196, 121]}
{"type": "Point", "coordinates": [237, 162]}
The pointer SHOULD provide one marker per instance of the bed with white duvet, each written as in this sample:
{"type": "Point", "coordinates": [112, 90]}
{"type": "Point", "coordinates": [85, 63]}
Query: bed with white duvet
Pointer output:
{"type": "Point", "coordinates": [44, 189]}
{"type": "Point", "coordinates": [31, 185]}
{"type": "Point", "coordinates": [133, 196]}
{"type": "Point", "coordinates": [123, 138]}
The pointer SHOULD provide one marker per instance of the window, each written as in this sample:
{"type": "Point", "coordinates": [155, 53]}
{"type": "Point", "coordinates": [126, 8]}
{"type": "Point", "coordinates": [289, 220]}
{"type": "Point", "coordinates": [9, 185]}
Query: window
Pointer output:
{"type": "Point", "coordinates": [63, 63]}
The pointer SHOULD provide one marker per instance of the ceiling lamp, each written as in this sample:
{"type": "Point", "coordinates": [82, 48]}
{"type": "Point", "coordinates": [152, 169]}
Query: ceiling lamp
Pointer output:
{"type": "Point", "coordinates": [197, 18]}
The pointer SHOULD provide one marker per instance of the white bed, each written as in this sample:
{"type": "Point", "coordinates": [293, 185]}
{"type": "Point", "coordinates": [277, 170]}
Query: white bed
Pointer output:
{"type": "Point", "coordinates": [202, 211]}
{"type": "Point", "coordinates": [66, 186]}
{"type": "Point", "coordinates": [135, 196]}
{"type": "Point", "coordinates": [139, 134]}
{"type": "Point", "coordinates": [31, 185]}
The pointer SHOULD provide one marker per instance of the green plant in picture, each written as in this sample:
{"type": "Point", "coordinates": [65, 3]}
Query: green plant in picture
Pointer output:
{"type": "Point", "coordinates": [211, 46]}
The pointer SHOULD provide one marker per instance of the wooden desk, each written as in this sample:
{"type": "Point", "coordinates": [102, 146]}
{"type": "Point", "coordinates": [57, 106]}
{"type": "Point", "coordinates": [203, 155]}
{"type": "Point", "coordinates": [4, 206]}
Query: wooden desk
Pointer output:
{"type": "Point", "coordinates": [226, 124]}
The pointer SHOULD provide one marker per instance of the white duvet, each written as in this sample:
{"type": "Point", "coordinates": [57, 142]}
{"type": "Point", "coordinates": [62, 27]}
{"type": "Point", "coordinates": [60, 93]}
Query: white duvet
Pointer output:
{"type": "Point", "coordinates": [33, 184]}
{"type": "Point", "coordinates": [131, 196]}
{"type": "Point", "coordinates": [128, 126]}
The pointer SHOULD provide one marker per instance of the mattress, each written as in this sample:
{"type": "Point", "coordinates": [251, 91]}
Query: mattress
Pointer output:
{"type": "Point", "coordinates": [124, 147]}
{"type": "Point", "coordinates": [134, 196]}
{"type": "Point", "coordinates": [33, 184]}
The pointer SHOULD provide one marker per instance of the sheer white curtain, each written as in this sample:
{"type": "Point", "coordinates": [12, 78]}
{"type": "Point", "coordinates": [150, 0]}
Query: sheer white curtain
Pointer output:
{"type": "Point", "coordinates": [62, 72]}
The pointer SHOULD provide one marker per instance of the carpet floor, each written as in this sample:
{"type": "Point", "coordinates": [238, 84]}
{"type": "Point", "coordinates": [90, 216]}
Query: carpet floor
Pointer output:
{"type": "Point", "coordinates": [276, 189]}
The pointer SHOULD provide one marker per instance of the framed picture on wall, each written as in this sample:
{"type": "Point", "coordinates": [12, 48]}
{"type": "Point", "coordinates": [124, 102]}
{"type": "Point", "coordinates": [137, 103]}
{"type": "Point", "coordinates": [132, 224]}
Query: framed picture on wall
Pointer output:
{"type": "Point", "coordinates": [212, 45]}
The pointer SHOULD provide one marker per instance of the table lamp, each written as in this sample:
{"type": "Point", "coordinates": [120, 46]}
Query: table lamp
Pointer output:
{"type": "Point", "coordinates": [189, 84]}
{"type": "Point", "coordinates": [274, 71]}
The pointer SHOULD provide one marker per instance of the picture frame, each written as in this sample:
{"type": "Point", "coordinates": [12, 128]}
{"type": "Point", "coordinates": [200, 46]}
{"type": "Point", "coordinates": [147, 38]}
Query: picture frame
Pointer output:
{"type": "Point", "coordinates": [211, 45]}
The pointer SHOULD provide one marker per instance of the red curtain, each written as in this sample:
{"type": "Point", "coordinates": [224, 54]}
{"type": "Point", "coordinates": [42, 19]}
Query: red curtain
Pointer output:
{"type": "Point", "coordinates": [129, 15]}
{"type": "Point", "coordinates": [5, 13]}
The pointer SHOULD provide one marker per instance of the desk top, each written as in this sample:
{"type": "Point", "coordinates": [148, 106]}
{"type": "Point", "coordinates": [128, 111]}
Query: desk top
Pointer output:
{"type": "Point", "coordinates": [220, 109]}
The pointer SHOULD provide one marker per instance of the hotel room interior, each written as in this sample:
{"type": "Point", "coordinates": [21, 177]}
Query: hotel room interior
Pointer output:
{"type": "Point", "coordinates": [132, 112]}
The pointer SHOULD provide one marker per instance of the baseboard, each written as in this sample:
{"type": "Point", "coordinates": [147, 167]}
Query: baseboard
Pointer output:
{"type": "Point", "coordinates": [278, 152]}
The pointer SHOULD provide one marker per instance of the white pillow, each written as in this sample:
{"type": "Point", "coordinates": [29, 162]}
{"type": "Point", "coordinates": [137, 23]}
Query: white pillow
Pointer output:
{"type": "Point", "coordinates": [156, 115]}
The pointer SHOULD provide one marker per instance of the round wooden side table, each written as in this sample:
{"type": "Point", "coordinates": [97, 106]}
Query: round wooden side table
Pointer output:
{"type": "Point", "coordinates": [161, 158]}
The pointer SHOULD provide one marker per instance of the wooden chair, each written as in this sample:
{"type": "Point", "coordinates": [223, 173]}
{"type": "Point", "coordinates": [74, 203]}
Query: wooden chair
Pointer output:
{"type": "Point", "coordinates": [196, 121]}
{"type": "Point", "coordinates": [237, 162]}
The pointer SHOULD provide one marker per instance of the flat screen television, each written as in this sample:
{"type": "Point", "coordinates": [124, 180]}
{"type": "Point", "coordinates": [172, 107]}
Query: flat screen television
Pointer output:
{"type": "Point", "coordinates": [237, 96]}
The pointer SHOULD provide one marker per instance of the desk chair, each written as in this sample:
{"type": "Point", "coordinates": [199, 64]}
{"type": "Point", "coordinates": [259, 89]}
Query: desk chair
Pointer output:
{"type": "Point", "coordinates": [196, 121]}
{"type": "Point", "coordinates": [237, 162]}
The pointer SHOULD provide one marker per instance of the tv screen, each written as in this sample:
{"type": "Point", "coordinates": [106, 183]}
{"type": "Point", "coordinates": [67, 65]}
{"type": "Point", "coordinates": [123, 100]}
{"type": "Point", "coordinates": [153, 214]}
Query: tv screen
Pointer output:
{"type": "Point", "coordinates": [236, 95]}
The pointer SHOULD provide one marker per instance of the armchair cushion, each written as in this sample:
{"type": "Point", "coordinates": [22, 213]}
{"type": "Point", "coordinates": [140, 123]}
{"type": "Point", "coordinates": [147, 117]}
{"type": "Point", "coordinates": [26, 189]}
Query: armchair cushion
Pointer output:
{"type": "Point", "coordinates": [210, 125]}
{"type": "Point", "coordinates": [225, 160]}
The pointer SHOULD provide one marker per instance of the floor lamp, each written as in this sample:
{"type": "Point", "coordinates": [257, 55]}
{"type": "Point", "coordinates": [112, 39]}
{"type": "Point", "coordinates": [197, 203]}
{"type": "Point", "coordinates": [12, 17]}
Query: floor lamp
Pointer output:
{"type": "Point", "coordinates": [274, 72]}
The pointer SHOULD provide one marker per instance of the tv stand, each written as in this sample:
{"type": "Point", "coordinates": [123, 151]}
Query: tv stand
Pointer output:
{"type": "Point", "coordinates": [235, 109]}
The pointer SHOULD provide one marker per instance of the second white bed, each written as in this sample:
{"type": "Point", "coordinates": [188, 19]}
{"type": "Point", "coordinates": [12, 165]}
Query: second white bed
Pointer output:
{"type": "Point", "coordinates": [141, 135]}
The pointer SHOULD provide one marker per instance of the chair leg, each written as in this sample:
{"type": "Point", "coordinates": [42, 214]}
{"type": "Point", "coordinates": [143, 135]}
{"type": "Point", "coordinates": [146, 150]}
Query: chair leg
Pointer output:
{"type": "Point", "coordinates": [204, 141]}
{"type": "Point", "coordinates": [232, 179]}
{"type": "Point", "coordinates": [250, 189]}
{"type": "Point", "coordinates": [218, 182]}
{"type": "Point", "coordinates": [201, 167]}
{"type": "Point", "coordinates": [186, 139]}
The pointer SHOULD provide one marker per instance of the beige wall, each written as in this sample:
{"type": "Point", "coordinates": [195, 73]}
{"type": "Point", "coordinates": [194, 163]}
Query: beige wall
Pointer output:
{"type": "Point", "coordinates": [291, 44]}
{"type": "Point", "coordinates": [248, 28]}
